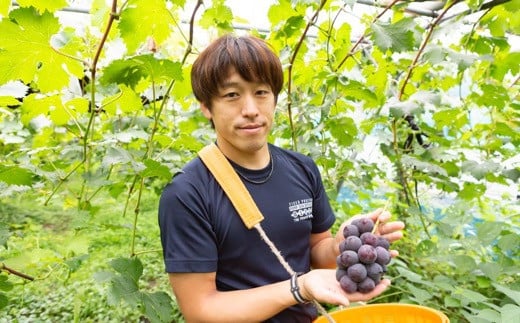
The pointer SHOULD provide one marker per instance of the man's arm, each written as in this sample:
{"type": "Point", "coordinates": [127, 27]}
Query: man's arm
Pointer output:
{"type": "Point", "coordinates": [324, 250]}
{"type": "Point", "coordinates": [199, 300]}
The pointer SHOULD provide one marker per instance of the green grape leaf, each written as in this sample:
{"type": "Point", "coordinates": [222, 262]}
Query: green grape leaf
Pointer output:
{"type": "Point", "coordinates": [43, 5]}
{"type": "Point", "coordinates": [492, 95]}
{"type": "Point", "coordinates": [509, 313]}
{"type": "Point", "coordinates": [123, 288]}
{"type": "Point", "coordinates": [468, 296]}
{"type": "Point", "coordinates": [398, 37]}
{"type": "Point", "coordinates": [434, 54]}
{"type": "Point", "coordinates": [4, 234]}
{"type": "Point", "coordinates": [5, 284]}
{"type": "Point", "coordinates": [411, 276]}
{"type": "Point", "coordinates": [4, 301]}
{"type": "Point", "coordinates": [421, 295]}
{"type": "Point", "coordinates": [344, 130]}
{"type": "Point", "coordinates": [179, 3]}
{"type": "Point", "coordinates": [116, 155]}
{"type": "Point", "coordinates": [150, 13]}
{"type": "Point", "coordinates": [77, 106]}
{"type": "Point", "coordinates": [14, 175]}
{"type": "Point", "coordinates": [450, 118]}
{"type": "Point", "coordinates": [219, 15]}
{"type": "Point", "coordinates": [479, 171]}
{"type": "Point", "coordinates": [8, 100]}
{"type": "Point", "coordinates": [125, 101]}
{"type": "Point", "coordinates": [491, 270]}
{"type": "Point", "coordinates": [474, 4]}
{"type": "Point", "coordinates": [513, 294]}
{"type": "Point", "coordinates": [279, 12]}
{"type": "Point", "coordinates": [124, 285]}
{"type": "Point", "coordinates": [489, 231]}
{"type": "Point", "coordinates": [77, 244]}
{"type": "Point", "coordinates": [487, 315]}
{"type": "Point", "coordinates": [157, 306]}
{"type": "Point", "coordinates": [508, 63]}
{"type": "Point", "coordinates": [451, 301]}
{"type": "Point", "coordinates": [444, 282]}
{"type": "Point", "coordinates": [129, 267]}
{"type": "Point", "coordinates": [509, 242]}
{"type": "Point", "coordinates": [131, 71]}
{"type": "Point", "coordinates": [471, 191]}
{"type": "Point", "coordinates": [116, 189]}
{"type": "Point", "coordinates": [28, 35]}
{"type": "Point", "coordinates": [292, 26]}
{"type": "Point", "coordinates": [357, 91]}
{"type": "Point", "coordinates": [4, 9]}
{"type": "Point", "coordinates": [512, 6]}
{"type": "Point", "coordinates": [50, 106]}
{"type": "Point", "coordinates": [426, 167]}
{"type": "Point", "coordinates": [405, 108]}
{"type": "Point", "coordinates": [155, 169]}
{"type": "Point", "coordinates": [103, 276]}
{"type": "Point", "coordinates": [497, 26]}
{"type": "Point", "coordinates": [464, 263]}
{"type": "Point", "coordinates": [75, 263]}
{"type": "Point", "coordinates": [128, 135]}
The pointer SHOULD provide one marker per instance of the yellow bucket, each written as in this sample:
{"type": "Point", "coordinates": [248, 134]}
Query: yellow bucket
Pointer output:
{"type": "Point", "coordinates": [386, 313]}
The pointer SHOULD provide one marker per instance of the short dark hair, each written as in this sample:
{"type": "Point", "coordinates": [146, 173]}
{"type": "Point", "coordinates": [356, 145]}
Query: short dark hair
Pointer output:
{"type": "Point", "coordinates": [251, 57]}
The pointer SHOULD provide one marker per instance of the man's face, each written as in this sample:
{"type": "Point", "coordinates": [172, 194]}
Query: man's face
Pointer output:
{"type": "Point", "coordinates": [242, 113]}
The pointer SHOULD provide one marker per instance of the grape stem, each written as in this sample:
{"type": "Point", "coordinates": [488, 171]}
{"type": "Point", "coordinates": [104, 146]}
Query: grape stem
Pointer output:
{"type": "Point", "coordinates": [377, 221]}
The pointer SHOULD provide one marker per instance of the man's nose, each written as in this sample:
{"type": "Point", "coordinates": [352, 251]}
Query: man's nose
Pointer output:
{"type": "Point", "coordinates": [249, 107]}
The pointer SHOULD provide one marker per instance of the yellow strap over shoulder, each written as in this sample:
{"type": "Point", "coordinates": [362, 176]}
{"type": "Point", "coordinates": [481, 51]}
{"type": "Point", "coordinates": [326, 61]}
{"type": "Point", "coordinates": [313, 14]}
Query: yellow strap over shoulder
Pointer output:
{"type": "Point", "coordinates": [231, 184]}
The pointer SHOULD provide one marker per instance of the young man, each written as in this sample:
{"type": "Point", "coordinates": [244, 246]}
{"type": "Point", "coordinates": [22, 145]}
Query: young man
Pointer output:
{"type": "Point", "coordinates": [219, 270]}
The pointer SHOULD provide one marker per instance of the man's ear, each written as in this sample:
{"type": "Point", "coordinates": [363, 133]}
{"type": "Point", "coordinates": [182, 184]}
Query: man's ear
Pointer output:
{"type": "Point", "coordinates": [205, 111]}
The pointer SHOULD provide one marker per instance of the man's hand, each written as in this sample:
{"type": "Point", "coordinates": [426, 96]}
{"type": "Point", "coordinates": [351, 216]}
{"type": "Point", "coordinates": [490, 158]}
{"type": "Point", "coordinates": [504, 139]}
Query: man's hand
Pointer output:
{"type": "Point", "coordinates": [321, 285]}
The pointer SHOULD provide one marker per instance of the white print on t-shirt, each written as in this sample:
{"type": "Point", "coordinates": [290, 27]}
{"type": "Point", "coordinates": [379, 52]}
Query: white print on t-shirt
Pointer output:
{"type": "Point", "coordinates": [301, 209]}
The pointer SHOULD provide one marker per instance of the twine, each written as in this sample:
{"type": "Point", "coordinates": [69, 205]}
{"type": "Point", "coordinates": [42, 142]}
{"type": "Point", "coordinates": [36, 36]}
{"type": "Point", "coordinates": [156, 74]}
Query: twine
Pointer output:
{"type": "Point", "coordinates": [287, 267]}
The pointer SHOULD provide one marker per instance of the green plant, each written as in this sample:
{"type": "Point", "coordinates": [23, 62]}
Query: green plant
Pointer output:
{"type": "Point", "coordinates": [395, 107]}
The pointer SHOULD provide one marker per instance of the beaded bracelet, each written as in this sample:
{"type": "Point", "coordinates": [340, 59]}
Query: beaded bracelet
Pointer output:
{"type": "Point", "coordinates": [295, 290]}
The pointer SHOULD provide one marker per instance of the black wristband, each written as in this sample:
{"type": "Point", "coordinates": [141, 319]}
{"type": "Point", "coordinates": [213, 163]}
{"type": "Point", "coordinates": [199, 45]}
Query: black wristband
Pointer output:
{"type": "Point", "coordinates": [295, 290]}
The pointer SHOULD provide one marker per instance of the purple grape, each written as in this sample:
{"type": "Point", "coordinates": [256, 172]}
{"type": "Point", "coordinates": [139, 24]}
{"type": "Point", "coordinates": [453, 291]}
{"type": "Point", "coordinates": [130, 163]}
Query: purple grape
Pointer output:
{"type": "Point", "coordinates": [367, 285]}
{"type": "Point", "coordinates": [340, 273]}
{"type": "Point", "coordinates": [369, 238]}
{"type": "Point", "coordinates": [383, 256]}
{"type": "Point", "coordinates": [348, 258]}
{"type": "Point", "coordinates": [363, 257]}
{"type": "Point", "coordinates": [364, 225]}
{"type": "Point", "coordinates": [347, 284]}
{"type": "Point", "coordinates": [383, 242]}
{"type": "Point", "coordinates": [357, 272]}
{"type": "Point", "coordinates": [338, 261]}
{"type": "Point", "coordinates": [350, 243]}
{"type": "Point", "coordinates": [350, 230]}
{"type": "Point", "coordinates": [367, 254]}
{"type": "Point", "coordinates": [342, 246]}
{"type": "Point", "coordinates": [375, 271]}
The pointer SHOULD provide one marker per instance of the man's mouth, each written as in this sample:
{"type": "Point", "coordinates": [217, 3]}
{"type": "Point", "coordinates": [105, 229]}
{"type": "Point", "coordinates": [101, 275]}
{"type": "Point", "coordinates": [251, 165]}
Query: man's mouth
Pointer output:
{"type": "Point", "coordinates": [251, 126]}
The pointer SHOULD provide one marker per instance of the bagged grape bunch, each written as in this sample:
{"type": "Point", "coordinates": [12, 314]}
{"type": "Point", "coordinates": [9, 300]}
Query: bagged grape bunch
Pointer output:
{"type": "Point", "coordinates": [363, 257]}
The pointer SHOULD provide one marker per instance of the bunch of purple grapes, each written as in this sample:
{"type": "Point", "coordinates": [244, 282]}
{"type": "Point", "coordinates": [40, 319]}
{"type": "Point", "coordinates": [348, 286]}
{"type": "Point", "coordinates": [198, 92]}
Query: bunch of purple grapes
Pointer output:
{"type": "Point", "coordinates": [363, 257]}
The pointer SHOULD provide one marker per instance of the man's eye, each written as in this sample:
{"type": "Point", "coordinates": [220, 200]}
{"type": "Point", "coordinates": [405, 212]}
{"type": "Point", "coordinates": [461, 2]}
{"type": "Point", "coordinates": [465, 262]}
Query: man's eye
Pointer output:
{"type": "Point", "coordinates": [231, 95]}
{"type": "Point", "coordinates": [262, 92]}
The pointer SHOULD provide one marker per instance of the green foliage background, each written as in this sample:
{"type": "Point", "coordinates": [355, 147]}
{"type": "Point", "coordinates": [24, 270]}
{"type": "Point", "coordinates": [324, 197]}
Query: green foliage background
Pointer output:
{"type": "Point", "coordinates": [421, 110]}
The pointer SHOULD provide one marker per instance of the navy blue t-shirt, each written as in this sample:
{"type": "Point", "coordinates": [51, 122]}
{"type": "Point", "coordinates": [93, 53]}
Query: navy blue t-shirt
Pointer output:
{"type": "Point", "coordinates": [202, 232]}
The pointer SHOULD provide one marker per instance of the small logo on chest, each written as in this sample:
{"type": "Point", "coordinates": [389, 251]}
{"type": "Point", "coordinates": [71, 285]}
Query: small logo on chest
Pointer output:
{"type": "Point", "coordinates": [301, 210]}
